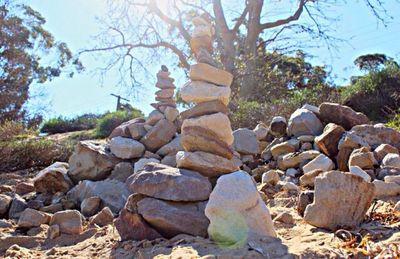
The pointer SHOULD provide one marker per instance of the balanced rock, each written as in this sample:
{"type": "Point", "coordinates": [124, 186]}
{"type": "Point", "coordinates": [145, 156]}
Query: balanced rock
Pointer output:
{"type": "Point", "coordinates": [207, 73]}
{"type": "Point", "coordinates": [209, 165]}
{"type": "Point", "coordinates": [69, 221]}
{"type": "Point", "coordinates": [159, 135]}
{"type": "Point", "coordinates": [328, 141]}
{"type": "Point", "coordinates": [173, 218]}
{"type": "Point", "coordinates": [304, 122]}
{"type": "Point", "coordinates": [329, 209]}
{"type": "Point", "coordinates": [112, 193]}
{"type": "Point", "coordinates": [218, 123]}
{"type": "Point", "coordinates": [126, 148]}
{"type": "Point", "coordinates": [165, 93]}
{"type": "Point", "coordinates": [236, 210]}
{"type": "Point", "coordinates": [200, 91]}
{"type": "Point", "coordinates": [91, 161]}
{"type": "Point", "coordinates": [53, 179]}
{"type": "Point", "coordinates": [205, 108]}
{"type": "Point", "coordinates": [378, 134]}
{"type": "Point", "coordinates": [32, 218]}
{"type": "Point", "coordinates": [168, 183]}
{"type": "Point", "coordinates": [171, 113]}
{"type": "Point", "coordinates": [341, 115]}
{"type": "Point", "coordinates": [195, 138]}
{"type": "Point", "coordinates": [201, 42]}
{"type": "Point", "coordinates": [245, 141]}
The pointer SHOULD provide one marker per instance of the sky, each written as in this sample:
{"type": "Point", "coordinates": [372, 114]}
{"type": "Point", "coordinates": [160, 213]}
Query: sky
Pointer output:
{"type": "Point", "coordinates": [75, 22]}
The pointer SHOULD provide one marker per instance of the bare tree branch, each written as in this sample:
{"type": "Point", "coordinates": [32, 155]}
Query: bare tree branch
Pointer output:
{"type": "Point", "coordinates": [240, 19]}
{"type": "Point", "coordinates": [289, 19]}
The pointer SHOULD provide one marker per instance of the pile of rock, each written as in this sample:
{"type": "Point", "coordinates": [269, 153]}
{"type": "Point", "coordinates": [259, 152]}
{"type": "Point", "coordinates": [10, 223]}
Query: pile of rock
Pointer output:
{"type": "Point", "coordinates": [314, 143]}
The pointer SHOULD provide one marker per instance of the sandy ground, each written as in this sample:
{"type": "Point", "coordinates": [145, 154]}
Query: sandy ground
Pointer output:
{"type": "Point", "coordinates": [298, 239]}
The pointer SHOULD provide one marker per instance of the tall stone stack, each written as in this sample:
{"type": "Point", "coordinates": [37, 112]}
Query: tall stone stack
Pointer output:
{"type": "Point", "coordinates": [206, 129]}
{"type": "Point", "coordinates": [164, 96]}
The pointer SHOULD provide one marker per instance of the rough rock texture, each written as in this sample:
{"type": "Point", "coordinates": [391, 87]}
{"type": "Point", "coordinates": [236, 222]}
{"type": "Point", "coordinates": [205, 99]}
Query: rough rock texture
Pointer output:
{"type": "Point", "coordinates": [137, 130]}
{"type": "Point", "coordinates": [69, 221]}
{"type": "Point", "coordinates": [5, 202]}
{"type": "Point", "coordinates": [171, 148]}
{"type": "Point", "coordinates": [358, 171]}
{"type": "Point", "coordinates": [270, 177]}
{"type": "Point", "coordinates": [112, 193]}
{"type": "Point", "coordinates": [382, 150]}
{"type": "Point", "coordinates": [91, 161]}
{"type": "Point", "coordinates": [328, 141]}
{"type": "Point", "coordinates": [207, 164]}
{"type": "Point", "coordinates": [53, 179]}
{"type": "Point", "coordinates": [384, 189]}
{"type": "Point", "coordinates": [218, 123]}
{"type": "Point", "coordinates": [123, 129]}
{"type": "Point", "coordinates": [207, 73]}
{"type": "Point", "coordinates": [154, 116]}
{"type": "Point", "coordinates": [141, 163]}
{"type": "Point", "coordinates": [293, 160]}
{"type": "Point", "coordinates": [103, 218]}
{"type": "Point", "coordinates": [363, 158]}
{"type": "Point", "coordinates": [236, 210]}
{"type": "Point", "coordinates": [245, 141]}
{"type": "Point", "coordinates": [342, 159]}
{"type": "Point", "coordinates": [205, 108]}
{"type": "Point", "coordinates": [159, 135]}
{"type": "Point", "coordinates": [391, 160]}
{"type": "Point", "coordinates": [18, 205]}
{"type": "Point", "coordinates": [131, 226]}
{"type": "Point", "coordinates": [341, 115]}
{"type": "Point", "coordinates": [378, 134]}
{"type": "Point", "coordinates": [90, 206]}
{"type": "Point", "coordinates": [199, 91]}
{"type": "Point", "coordinates": [195, 138]}
{"type": "Point", "coordinates": [304, 122]}
{"type": "Point", "coordinates": [126, 148]}
{"type": "Point", "coordinates": [32, 218]}
{"type": "Point", "coordinates": [261, 131]}
{"type": "Point", "coordinates": [321, 162]}
{"type": "Point", "coordinates": [340, 200]}
{"type": "Point", "coordinates": [307, 179]}
{"type": "Point", "coordinates": [121, 172]}
{"type": "Point", "coordinates": [173, 218]}
{"type": "Point", "coordinates": [278, 126]}
{"type": "Point", "coordinates": [282, 149]}
{"type": "Point", "coordinates": [168, 183]}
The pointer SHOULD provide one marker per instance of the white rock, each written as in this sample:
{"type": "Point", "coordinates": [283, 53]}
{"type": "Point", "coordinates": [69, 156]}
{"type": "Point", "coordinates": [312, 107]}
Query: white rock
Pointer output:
{"type": "Point", "coordinates": [218, 123]}
{"type": "Point", "coordinates": [304, 122]}
{"type": "Point", "coordinates": [358, 171]}
{"type": "Point", "coordinates": [245, 141]}
{"type": "Point", "coordinates": [291, 172]}
{"type": "Point", "coordinates": [270, 177]}
{"type": "Point", "coordinates": [392, 179]}
{"type": "Point", "coordinates": [261, 131]}
{"type": "Point", "coordinates": [236, 210]}
{"type": "Point", "coordinates": [126, 148]}
{"type": "Point", "coordinates": [383, 189]}
{"type": "Point", "coordinates": [290, 187]}
{"type": "Point", "coordinates": [397, 207]}
{"type": "Point", "coordinates": [200, 91]}
{"type": "Point", "coordinates": [139, 165]}
{"type": "Point", "coordinates": [321, 162]}
{"type": "Point", "coordinates": [391, 160]}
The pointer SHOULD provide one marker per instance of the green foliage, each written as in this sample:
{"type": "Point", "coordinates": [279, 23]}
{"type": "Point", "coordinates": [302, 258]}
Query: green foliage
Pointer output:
{"type": "Point", "coordinates": [33, 152]}
{"type": "Point", "coordinates": [24, 45]}
{"type": "Point", "coordinates": [377, 94]}
{"type": "Point", "coordinates": [394, 122]}
{"type": "Point", "coordinates": [62, 125]}
{"type": "Point", "coordinates": [109, 121]}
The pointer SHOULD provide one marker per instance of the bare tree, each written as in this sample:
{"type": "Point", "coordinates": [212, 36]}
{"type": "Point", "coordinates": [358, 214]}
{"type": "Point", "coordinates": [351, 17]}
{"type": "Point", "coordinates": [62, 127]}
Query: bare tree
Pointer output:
{"type": "Point", "coordinates": [144, 30]}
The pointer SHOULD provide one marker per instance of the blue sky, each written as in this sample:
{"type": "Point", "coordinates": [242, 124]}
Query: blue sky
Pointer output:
{"type": "Point", "coordinates": [74, 22]}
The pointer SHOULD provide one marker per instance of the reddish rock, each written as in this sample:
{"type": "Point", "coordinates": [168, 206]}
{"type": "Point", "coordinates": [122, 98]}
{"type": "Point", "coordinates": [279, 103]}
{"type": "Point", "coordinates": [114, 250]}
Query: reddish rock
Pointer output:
{"type": "Point", "coordinates": [205, 108]}
{"type": "Point", "coordinates": [159, 135]}
{"type": "Point", "coordinates": [131, 226]}
{"type": "Point", "coordinates": [341, 115]}
{"type": "Point", "coordinates": [24, 188]}
{"type": "Point", "coordinates": [342, 159]}
{"type": "Point", "coordinates": [329, 139]}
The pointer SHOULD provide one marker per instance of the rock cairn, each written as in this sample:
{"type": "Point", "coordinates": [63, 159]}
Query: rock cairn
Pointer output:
{"type": "Point", "coordinates": [164, 97]}
{"type": "Point", "coordinates": [206, 129]}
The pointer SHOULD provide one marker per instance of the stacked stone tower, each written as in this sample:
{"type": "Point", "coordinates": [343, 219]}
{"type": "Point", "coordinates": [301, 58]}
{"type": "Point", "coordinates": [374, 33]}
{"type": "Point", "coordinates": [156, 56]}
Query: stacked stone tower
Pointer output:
{"type": "Point", "coordinates": [206, 129]}
{"type": "Point", "coordinates": [164, 96]}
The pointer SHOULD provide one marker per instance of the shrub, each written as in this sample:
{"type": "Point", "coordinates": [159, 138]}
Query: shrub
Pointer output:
{"type": "Point", "coordinates": [62, 125]}
{"type": "Point", "coordinates": [10, 130]}
{"type": "Point", "coordinates": [109, 121]}
{"type": "Point", "coordinates": [33, 152]}
{"type": "Point", "coordinates": [395, 121]}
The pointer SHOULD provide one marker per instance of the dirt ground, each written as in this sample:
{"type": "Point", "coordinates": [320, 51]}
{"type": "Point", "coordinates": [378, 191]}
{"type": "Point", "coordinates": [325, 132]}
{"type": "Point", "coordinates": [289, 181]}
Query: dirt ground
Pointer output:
{"type": "Point", "coordinates": [376, 235]}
